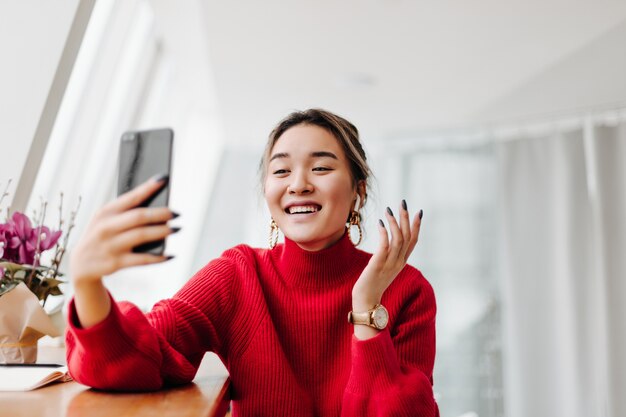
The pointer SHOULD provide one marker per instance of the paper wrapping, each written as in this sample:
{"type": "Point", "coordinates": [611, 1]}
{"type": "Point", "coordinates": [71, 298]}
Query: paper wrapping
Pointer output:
{"type": "Point", "coordinates": [22, 323]}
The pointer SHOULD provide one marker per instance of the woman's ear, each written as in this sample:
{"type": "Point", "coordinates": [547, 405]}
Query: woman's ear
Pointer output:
{"type": "Point", "coordinates": [360, 194]}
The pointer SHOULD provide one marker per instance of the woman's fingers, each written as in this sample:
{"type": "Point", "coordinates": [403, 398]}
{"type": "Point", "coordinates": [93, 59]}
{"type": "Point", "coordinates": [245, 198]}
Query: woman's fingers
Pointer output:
{"type": "Point", "coordinates": [383, 243]}
{"type": "Point", "coordinates": [404, 236]}
{"type": "Point", "coordinates": [389, 259]}
{"type": "Point", "coordinates": [106, 246]}
{"type": "Point", "coordinates": [136, 196]}
{"type": "Point", "coordinates": [415, 231]}
{"type": "Point", "coordinates": [97, 254]}
{"type": "Point", "coordinates": [136, 259]}
{"type": "Point", "coordinates": [405, 227]}
{"type": "Point", "coordinates": [125, 241]}
{"type": "Point", "coordinates": [136, 217]}
{"type": "Point", "coordinates": [396, 236]}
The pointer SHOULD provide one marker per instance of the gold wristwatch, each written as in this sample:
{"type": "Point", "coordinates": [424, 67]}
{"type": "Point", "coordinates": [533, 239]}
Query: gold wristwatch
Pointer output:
{"type": "Point", "coordinates": [377, 317]}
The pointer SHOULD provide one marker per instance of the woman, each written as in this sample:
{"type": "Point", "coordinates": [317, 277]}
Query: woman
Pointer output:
{"type": "Point", "coordinates": [276, 317]}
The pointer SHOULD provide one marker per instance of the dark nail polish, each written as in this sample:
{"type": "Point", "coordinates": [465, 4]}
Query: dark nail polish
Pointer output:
{"type": "Point", "coordinates": [381, 223]}
{"type": "Point", "coordinates": [389, 211]}
{"type": "Point", "coordinates": [404, 204]}
{"type": "Point", "coordinates": [175, 215]}
{"type": "Point", "coordinates": [161, 178]}
{"type": "Point", "coordinates": [174, 229]}
{"type": "Point", "coordinates": [169, 257]}
{"type": "Point", "coordinates": [421, 214]}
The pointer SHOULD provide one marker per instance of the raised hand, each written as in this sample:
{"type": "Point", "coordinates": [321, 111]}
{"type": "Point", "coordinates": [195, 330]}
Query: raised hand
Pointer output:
{"type": "Point", "coordinates": [106, 246]}
{"type": "Point", "coordinates": [388, 260]}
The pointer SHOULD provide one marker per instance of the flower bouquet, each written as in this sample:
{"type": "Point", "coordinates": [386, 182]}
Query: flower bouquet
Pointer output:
{"type": "Point", "coordinates": [26, 284]}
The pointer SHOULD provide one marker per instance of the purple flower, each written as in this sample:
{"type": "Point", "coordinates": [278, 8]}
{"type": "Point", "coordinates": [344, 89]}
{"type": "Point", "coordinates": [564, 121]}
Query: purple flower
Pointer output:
{"type": "Point", "coordinates": [48, 238]}
{"type": "Point", "coordinates": [21, 248]}
{"type": "Point", "coordinates": [3, 240]}
{"type": "Point", "coordinates": [22, 239]}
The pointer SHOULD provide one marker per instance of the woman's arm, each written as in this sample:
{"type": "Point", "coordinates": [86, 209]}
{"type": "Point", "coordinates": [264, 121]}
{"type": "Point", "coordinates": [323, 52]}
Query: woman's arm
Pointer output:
{"type": "Point", "coordinates": [391, 373]}
{"type": "Point", "coordinates": [106, 247]}
{"type": "Point", "coordinates": [109, 344]}
{"type": "Point", "coordinates": [130, 351]}
{"type": "Point", "coordinates": [383, 267]}
{"type": "Point", "coordinates": [392, 377]}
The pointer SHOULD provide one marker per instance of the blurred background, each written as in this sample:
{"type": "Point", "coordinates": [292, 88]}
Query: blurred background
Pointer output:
{"type": "Point", "coordinates": [504, 121]}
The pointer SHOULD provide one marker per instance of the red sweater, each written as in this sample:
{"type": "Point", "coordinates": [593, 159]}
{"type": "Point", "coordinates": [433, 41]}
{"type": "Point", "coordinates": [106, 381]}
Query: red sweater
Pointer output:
{"type": "Point", "coordinates": [278, 320]}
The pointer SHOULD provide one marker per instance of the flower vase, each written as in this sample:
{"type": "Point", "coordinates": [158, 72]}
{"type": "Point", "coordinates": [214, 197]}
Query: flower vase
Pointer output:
{"type": "Point", "coordinates": [23, 321]}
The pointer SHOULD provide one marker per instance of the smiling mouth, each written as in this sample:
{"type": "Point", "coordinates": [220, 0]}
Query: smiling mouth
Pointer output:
{"type": "Point", "coordinates": [313, 208]}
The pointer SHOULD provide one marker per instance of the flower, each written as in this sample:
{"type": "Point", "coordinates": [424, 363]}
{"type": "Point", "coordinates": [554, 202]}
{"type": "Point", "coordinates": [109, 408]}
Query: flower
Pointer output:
{"type": "Point", "coordinates": [3, 244]}
{"type": "Point", "coordinates": [48, 238]}
{"type": "Point", "coordinates": [22, 239]}
{"type": "Point", "coordinates": [21, 246]}
{"type": "Point", "coordinates": [3, 239]}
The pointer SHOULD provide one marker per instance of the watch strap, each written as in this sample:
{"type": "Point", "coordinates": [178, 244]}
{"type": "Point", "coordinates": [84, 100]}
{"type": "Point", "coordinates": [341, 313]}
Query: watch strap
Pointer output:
{"type": "Point", "coordinates": [364, 317]}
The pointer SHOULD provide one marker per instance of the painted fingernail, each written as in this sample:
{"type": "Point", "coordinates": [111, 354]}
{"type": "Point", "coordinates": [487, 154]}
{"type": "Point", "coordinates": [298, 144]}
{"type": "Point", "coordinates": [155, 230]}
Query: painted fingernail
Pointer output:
{"type": "Point", "coordinates": [404, 204]}
{"type": "Point", "coordinates": [421, 214]}
{"type": "Point", "coordinates": [169, 257]}
{"type": "Point", "coordinates": [161, 178]}
{"type": "Point", "coordinates": [381, 223]}
{"type": "Point", "coordinates": [175, 214]}
{"type": "Point", "coordinates": [174, 230]}
{"type": "Point", "coordinates": [389, 211]}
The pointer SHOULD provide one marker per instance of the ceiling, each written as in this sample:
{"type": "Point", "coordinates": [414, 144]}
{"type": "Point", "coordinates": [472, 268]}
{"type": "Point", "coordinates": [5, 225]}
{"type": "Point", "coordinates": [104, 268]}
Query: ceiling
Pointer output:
{"type": "Point", "coordinates": [394, 67]}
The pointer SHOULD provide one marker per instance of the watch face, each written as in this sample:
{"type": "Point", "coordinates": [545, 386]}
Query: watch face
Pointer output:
{"type": "Point", "coordinates": [381, 317]}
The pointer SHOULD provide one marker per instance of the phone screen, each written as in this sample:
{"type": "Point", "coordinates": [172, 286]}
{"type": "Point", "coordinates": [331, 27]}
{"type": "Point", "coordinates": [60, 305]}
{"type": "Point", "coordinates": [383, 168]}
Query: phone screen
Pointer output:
{"type": "Point", "coordinates": [144, 154]}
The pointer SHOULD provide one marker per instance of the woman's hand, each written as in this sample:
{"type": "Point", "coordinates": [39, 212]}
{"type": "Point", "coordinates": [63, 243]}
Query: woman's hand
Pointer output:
{"type": "Point", "coordinates": [388, 260]}
{"type": "Point", "coordinates": [106, 246]}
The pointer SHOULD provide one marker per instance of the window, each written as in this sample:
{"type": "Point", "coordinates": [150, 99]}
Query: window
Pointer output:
{"type": "Point", "coordinates": [455, 186]}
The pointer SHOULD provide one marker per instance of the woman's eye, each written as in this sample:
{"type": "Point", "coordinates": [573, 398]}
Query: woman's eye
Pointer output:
{"type": "Point", "coordinates": [280, 171]}
{"type": "Point", "coordinates": [321, 169]}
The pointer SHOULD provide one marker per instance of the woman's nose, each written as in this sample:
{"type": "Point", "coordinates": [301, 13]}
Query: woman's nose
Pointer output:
{"type": "Point", "coordinates": [300, 184]}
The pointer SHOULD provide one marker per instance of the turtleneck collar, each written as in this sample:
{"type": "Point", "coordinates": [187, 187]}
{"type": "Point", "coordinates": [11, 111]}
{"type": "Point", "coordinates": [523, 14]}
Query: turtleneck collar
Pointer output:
{"type": "Point", "coordinates": [320, 268]}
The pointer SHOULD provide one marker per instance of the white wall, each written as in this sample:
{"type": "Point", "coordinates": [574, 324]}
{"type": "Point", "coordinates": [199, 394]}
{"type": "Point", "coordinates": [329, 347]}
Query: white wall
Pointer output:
{"type": "Point", "coordinates": [589, 78]}
{"type": "Point", "coordinates": [136, 70]}
{"type": "Point", "coordinates": [33, 35]}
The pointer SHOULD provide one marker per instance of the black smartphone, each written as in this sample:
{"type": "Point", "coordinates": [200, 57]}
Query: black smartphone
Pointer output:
{"type": "Point", "coordinates": [144, 154]}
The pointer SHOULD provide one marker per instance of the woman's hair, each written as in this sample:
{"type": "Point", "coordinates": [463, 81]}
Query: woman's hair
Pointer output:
{"type": "Point", "coordinates": [345, 132]}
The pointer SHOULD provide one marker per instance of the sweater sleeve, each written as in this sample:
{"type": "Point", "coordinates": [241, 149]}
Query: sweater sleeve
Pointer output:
{"type": "Point", "coordinates": [130, 351]}
{"type": "Point", "coordinates": [391, 373]}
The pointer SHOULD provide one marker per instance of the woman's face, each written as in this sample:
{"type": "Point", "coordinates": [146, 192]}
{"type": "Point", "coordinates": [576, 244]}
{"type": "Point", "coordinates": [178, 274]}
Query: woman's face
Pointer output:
{"type": "Point", "coordinates": [308, 187]}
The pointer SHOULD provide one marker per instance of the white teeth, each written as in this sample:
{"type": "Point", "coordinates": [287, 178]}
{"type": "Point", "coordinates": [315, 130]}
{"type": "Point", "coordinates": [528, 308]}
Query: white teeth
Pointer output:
{"type": "Point", "coordinates": [303, 209]}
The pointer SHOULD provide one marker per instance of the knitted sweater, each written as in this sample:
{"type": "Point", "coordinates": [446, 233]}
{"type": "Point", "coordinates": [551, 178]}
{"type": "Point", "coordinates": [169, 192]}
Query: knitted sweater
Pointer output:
{"type": "Point", "coordinates": [278, 320]}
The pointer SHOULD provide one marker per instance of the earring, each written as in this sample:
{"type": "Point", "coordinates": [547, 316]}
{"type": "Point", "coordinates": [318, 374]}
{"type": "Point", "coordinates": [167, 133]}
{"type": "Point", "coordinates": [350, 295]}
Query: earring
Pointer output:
{"type": "Point", "coordinates": [273, 234]}
{"type": "Point", "coordinates": [355, 220]}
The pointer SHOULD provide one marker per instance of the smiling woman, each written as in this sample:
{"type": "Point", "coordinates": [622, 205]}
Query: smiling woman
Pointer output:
{"type": "Point", "coordinates": [309, 188]}
{"type": "Point", "coordinates": [276, 317]}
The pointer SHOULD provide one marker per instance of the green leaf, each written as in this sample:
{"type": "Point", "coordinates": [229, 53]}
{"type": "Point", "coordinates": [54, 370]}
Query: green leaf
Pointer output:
{"type": "Point", "coordinates": [5, 288]}
{"type": "Point", "coordinates": [55, 291]}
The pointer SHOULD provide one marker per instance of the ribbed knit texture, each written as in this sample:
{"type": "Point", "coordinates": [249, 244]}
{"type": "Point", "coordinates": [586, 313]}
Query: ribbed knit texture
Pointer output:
{"type": "Point", "coordinates": [278, 320]}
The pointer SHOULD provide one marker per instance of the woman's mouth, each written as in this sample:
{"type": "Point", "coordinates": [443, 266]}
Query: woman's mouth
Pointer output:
{"type": "Point", "coordinates": [304, 209]}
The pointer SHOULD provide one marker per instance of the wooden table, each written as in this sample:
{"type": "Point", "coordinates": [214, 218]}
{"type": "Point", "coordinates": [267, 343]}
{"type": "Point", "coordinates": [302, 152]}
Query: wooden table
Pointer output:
{"type": "Point", "coordinates": [206, 396]}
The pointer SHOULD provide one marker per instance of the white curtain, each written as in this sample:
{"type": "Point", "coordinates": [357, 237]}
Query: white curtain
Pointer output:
{"type": "Point", "coordinates": [562, 198]}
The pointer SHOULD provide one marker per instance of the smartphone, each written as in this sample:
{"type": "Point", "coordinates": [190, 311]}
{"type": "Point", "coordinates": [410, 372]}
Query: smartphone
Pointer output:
{"type": "Point", "coordinates": [144, 154]}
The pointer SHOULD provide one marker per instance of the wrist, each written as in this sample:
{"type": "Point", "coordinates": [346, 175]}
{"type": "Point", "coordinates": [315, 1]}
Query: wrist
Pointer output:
{"type": "Point", "coordinates": [363, 303]}
{"type": "Point", "coordinates": [365, 332]}
{"type": "Point", "coordinates": [92, 302]}
{"type": "Point", "coordinates": [87, 284]}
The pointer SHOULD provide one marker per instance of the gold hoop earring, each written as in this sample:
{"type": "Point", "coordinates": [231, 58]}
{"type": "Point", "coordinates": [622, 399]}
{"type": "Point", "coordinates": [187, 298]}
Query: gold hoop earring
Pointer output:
{"type": "Point", "coordinates": [355, 220]}
{"type": "Point", "coordinates": [273, 234]}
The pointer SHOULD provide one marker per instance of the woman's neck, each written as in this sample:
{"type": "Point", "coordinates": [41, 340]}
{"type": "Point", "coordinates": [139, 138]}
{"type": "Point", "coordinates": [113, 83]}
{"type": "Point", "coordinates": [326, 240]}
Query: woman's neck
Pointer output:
{"type": "Point", "coordinates": [320, 244]}
{"type": "Point", "coordinates": [324, 267]}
